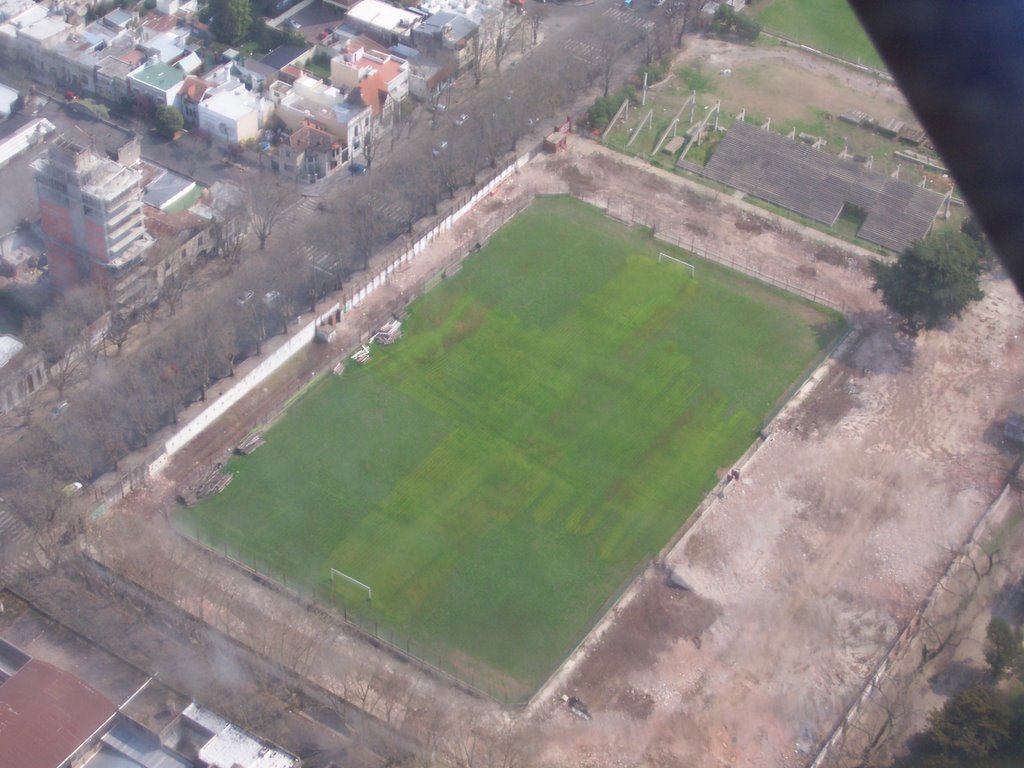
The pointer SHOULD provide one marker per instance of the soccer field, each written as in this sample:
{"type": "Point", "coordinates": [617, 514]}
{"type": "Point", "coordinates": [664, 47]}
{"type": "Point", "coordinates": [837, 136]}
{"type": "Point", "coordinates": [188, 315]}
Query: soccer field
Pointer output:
{"type": "Point", "coordinates": [829, 25]}
{"type": "Point", "coordinates": [552, 415]}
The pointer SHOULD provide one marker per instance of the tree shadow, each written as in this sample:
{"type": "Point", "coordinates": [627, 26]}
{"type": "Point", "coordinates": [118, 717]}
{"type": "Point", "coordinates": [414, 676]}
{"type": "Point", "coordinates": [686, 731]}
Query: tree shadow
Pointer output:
{"type": "Point", "coordinates": [957, 675]}
{"type": "Point", "coordinates": [1008, 603]}
{"type": "Point", "coordinates": [882, 346]}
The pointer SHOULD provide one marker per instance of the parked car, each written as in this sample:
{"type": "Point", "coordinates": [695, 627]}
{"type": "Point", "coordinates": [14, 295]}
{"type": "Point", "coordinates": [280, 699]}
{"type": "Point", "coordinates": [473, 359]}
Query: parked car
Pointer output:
{"type": "Point", "coordinates": [271, 296]}
{"type": "Point", "coordinates": [293, 24]}
{"type": "Point", "coordinates": [461, 119]}
{"type": "Point", "coordinates": [244, 298]}
{"type": "Point", "coordinates": [358, 169]}
{"type": "Point", "coordinates": [439, 148]}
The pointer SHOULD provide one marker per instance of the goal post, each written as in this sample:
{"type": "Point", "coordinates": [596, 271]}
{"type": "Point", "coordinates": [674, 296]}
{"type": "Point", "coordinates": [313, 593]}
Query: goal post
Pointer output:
{"type": "Point", "coordinates": [688, 265]}
{"type": "Point", "coordinates": [335, 573]}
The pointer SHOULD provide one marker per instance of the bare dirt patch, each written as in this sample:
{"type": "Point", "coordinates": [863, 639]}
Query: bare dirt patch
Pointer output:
{"type": "Point", "coordinates": [784, 83]}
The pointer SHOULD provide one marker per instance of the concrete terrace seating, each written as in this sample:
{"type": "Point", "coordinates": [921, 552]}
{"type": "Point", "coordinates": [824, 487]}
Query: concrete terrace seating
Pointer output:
{"type": "Point", "coordinates": [817, 185]}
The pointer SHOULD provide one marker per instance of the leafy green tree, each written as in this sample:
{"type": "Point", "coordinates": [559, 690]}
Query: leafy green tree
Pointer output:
{"type": "Point", "coordinates": [168, 121]}
{"type": "Point", "coordinates": [932, 281]}
{"type": "Point", "coordinates": [973, 229]}
{"type": "Point", "coordinates": [1002, 648]}
{"type": "Point", "coordinates": [975, 723]}
{"type": "Point", "coordinates": [230, 20]}
{"type": "Point", "coordinates": [726, 22]}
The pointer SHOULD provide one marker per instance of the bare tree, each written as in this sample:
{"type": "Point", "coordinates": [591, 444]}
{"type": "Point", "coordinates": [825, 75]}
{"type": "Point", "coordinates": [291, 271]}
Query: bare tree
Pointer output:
{"type": "Point", "coordinates": [102, 416]}
{"type": "Point", "coordinates": [266, 205]}
{"type": "Point", "coordinates": [610, 46]}
{"type": "Point", "coordinates": [62, 334]}
{"type": "Point", "coordinates": [505, 29]}
{"type": "Point", "coordinates": [136, 390]}
{"type": "Point", "coordinates": [535, 16]}
{"type": "Point", "coordinates": [365, 229]}
{"type": "Point", "coordinates": [118, 330]}
{"type": "Point", "coordinates": [192, 151]}
{"type": "Point", "coordinates": [172, 291]}
{"type": "Point", "coordinates": [228, 232]}
{"type": "Point", "coordinates": [483, 50]}
{"type": "Point", "coordinates": [370, 146]}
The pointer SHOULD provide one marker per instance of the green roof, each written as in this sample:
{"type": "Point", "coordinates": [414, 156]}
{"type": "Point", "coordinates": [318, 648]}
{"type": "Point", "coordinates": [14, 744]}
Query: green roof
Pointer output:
{"type": "Point", "coordinates": [160, 75]}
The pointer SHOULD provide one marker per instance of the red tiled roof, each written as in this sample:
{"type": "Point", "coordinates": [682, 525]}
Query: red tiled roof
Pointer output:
{"type": "Point", "coordinates": [163, 224]}
{"type": "Point", "coordinates": [158, 22]}
{"type": "Point", "coordinates": [46, 714]}
{"type": "Point", "coordinates": [310, 135]}
{"type": "Point", "coordinates": [374, 92]}
{"type": "Point", "coordinates": [133, 57]}
{"type": "Point", "coordinates": [193, 88]}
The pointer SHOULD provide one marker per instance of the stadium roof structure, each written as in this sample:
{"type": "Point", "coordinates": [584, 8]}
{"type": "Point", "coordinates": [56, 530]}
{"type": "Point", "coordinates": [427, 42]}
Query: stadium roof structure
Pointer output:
{"type": "Point", "coordinates": [817, 185]}
{"type": "Point", "coordinates": [46, 715]}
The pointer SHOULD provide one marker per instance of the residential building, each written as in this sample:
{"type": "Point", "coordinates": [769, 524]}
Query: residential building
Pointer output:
{"type": "Point", "coordinates": [112, 71]}
{"type": "Point", "coordinates": [8, 100]}
{"type": "Point", "coordinates": [193, 89]}
{"type": "Point", "coordinates": [382, 78]}
{"type": "Point", "coordinates": [50, 716]}
{"type": "Point", "coordinates": [448, 37]}
{"type": "Point", "coordinates": [182, 238]}
{"type": "Point", "coordinates": [282, 63]}
{"type": "Point", "coordinates": [35, 42]}
{"type": "Point", "coordinates": [22, 372]}
{"type": "Point", "coordinates": [345, 116]}
{"type": "Point", "coordinates": [310, 154]}
{"type": "Point", "coordinates": [91, 215]}
{"type": "Point", "coordinates": [10, 9]}
{"type": "Point", "coordinates": [428, 77]}
{"type": "Point", "coordinates": [230, 113]}
{"type": "Point", "coordinates": [54, 719]}
{"type": "Point", "coordinates": [20, 133]}
{"type": "Point", "coordinates": [383, 22]}
{"type": "Point", "coordinates": [160, 82]}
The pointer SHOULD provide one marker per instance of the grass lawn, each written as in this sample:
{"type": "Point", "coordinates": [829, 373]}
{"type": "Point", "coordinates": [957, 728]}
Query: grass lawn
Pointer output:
{"type": "Point", "coordinates": [186, 201]}
{"type": "Point", "coordinates": [829, 25]}
{"type": "Point", "coordinates": [551, 417]}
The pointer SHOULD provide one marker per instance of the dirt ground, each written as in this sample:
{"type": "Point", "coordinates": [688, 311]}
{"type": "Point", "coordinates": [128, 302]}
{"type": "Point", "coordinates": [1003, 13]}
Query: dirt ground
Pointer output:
{"type": "Point", "coordinates": [811, 564]}
{"type": "Point", "coordinates": [784, 84]}
{"type": "Point", "coordinates": [802, 572]}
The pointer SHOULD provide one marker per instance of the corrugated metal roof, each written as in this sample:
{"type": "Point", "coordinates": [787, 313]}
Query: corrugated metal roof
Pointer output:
{"type": "Point", "coordinates": [46, 714]}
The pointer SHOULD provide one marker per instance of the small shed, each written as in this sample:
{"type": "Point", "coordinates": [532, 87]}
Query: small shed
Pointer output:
{"type": "Point", "coordinates": [559, 137]}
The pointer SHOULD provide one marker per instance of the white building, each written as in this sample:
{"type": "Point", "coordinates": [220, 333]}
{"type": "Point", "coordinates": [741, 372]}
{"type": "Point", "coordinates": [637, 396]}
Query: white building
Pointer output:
{"type": "Point", "coordinates": [8, 100]}
{"type": "Point", "coordinates": [385, 22]}
{"type": "Point", "coordinates": [160, 82]}
{"type": "Point", "coordinates": [21, 373]}
{"type": "Point", "coordinates": [382, 78]}
{"type": "Point", "coordinates": [230, 114]}
{"type": "Point", "coordinates": [344, 116]}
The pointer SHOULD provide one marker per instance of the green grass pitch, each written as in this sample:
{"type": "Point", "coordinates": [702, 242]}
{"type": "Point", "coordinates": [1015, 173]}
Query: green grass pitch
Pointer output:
{"type": "Point", "coordinates": [829, 25]}
{"type": "Point", "coordinates": [553, 414]}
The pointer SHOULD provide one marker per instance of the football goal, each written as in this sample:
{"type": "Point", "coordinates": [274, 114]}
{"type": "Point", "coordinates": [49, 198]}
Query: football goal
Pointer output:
{"type": "Point", "coordinates": [336, 574]}
{"type": "Point", "coordinates": [688, 265]}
